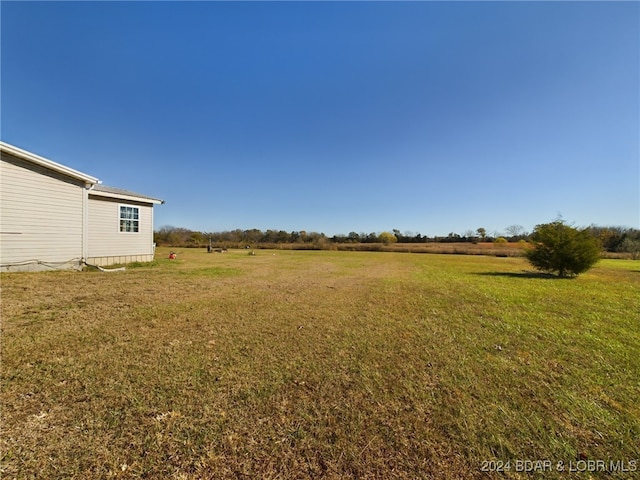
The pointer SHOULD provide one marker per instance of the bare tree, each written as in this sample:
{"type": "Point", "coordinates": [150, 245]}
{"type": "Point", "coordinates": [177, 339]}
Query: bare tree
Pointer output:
{"type": "Point", "coordinates": [515, 231]}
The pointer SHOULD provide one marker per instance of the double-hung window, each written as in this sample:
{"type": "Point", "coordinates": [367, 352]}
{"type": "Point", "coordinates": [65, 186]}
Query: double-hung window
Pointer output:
{"type": "Point", "coordinates": [129, 218]}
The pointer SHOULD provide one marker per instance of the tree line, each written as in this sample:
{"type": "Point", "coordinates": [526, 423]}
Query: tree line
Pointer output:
{"type": "Point", "coordinates": [611, 239]}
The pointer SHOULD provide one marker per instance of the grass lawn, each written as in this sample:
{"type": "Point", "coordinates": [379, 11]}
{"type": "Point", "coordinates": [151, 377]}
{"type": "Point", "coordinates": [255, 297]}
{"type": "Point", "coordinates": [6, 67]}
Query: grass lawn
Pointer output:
{"type": "Point", "coordinates": [320, 364]}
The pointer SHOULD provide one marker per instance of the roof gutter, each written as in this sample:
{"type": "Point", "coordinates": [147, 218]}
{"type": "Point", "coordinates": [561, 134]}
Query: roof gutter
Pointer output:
{"type": "Point", "coordinates": [122, 196]}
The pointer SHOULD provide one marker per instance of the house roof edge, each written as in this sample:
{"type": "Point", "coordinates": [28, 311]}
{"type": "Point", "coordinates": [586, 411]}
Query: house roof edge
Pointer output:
{"type": "Point", "coordinates": [46, 163]}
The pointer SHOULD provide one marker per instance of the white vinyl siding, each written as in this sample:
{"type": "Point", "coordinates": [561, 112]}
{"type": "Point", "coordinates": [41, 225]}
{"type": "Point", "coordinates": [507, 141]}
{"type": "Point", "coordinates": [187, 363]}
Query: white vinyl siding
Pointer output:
{"type": "Point", "coordinates": [105, 237]}
{"type": "Point", "coordinates": [41, 214]}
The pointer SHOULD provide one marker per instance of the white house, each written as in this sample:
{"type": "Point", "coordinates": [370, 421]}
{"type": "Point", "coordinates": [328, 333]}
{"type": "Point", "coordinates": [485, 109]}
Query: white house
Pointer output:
{"type": "Point", "coordinates": [55, 217]}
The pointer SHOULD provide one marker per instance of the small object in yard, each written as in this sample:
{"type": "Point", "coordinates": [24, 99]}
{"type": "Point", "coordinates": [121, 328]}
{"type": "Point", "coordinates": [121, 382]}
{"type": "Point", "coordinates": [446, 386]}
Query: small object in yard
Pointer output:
{"type": "Point", "coordinates": [172, 255]}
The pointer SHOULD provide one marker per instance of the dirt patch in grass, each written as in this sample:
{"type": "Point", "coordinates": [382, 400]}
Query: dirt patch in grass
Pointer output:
{"type": "Point", "coordinates": [292, 364]}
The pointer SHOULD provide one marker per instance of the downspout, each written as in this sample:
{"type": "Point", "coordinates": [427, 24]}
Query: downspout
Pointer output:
{"type": "Point", "coordinates": [153, 245]}
{"type": "Point", "coordinates": [85, 221]}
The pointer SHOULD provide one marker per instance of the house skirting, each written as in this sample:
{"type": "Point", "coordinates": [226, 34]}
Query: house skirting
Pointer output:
{"type": "Point", "coordinates": [116, 260]}
{"type": "Point", "coordinates": [41, 266]}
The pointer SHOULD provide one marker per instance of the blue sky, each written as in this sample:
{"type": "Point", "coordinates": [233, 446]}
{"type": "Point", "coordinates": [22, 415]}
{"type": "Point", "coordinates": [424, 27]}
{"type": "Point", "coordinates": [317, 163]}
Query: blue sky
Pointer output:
{"type": "Point", "coordinates": [334, 117]}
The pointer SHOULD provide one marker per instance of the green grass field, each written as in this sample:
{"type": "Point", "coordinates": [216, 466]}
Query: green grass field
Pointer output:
{"type": "Point", "coordinates": [320, 364]}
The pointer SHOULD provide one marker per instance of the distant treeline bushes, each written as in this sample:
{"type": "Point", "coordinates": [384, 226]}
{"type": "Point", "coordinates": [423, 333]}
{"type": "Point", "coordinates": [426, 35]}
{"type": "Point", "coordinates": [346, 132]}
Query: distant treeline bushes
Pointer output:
{"type": "Point", "coordinates": [612, 239]}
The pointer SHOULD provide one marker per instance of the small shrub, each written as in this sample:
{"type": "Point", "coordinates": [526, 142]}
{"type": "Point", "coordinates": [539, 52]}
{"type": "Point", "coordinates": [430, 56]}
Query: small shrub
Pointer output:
{"type": "Point", "coordinates": [500, 240]}
{"type": "Point", "coordinates": [559, 248]}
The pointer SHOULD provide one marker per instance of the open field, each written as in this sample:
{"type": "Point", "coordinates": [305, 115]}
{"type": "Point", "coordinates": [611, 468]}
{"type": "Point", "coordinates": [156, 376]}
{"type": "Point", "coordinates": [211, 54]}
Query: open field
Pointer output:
{"type": "Point", "coordinates": [320, 364]}
{"type": "Point", "coordinates": [456, 248]}
{"type": "Point", "coordinates": [462, 248]}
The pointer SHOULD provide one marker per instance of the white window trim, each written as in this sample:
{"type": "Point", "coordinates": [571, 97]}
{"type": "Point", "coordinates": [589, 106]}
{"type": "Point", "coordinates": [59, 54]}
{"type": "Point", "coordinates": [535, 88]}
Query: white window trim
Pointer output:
{"type": "Point", "coordinates": [120, 205]}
